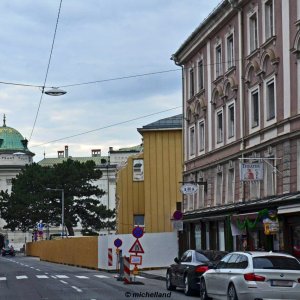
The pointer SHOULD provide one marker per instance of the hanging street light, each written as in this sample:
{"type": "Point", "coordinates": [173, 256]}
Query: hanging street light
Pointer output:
{"type": "Point", "coordinates": [55, 91]}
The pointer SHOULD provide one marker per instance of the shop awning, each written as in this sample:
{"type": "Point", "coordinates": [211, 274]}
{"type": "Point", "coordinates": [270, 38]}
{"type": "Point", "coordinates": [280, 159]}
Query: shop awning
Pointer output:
{"type": "Point", "coordinates": [287, 209]}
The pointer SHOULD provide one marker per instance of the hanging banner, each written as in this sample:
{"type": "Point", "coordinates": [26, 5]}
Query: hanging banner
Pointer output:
{"type": "Point", "coordinates": [251, 171]}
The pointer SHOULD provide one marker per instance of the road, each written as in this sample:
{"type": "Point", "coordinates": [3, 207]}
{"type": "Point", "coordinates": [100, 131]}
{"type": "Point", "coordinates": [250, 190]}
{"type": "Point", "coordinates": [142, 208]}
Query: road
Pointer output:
{"type": "Point", "coordinates": [28, 278]}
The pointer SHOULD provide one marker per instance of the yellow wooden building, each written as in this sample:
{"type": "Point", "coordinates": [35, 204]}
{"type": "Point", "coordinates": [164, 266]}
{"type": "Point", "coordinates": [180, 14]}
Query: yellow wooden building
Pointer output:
{"type": "Point", "coordinates": [148, 187]}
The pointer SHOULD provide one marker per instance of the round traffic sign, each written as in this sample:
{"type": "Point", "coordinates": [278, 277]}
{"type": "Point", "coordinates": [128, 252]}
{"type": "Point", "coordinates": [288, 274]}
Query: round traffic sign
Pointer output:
{"type": "Point", "coordinates": [118, 243]}
{"type": "Point", "coordinates": [177, 215]}
{"type": "Point", "coordinates": [138, 232]}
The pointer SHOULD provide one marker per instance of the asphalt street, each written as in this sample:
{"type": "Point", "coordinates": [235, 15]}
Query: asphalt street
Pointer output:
{"type": "Point", "coordinates": [28, 278]}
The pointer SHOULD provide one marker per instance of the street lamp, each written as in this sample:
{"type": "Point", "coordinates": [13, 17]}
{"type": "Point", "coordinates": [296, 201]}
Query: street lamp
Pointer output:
{"type": "Point", "coordinates": [55, 92]}
{"type": "Point", "coordinates": [62, 208]}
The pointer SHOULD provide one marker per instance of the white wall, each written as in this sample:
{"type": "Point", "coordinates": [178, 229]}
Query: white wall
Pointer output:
{"type": "Point", "coordinates": [160, 249]}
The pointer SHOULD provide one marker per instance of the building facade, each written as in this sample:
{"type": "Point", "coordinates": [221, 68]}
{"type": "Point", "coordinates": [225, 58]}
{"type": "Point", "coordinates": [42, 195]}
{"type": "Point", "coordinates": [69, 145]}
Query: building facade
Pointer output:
{"type": "Point", "coordinates": [148, 186]}
{"type": "Point", "coordinates": [14, 155]}
{"type": "Point", "coordinates": [241, 105]}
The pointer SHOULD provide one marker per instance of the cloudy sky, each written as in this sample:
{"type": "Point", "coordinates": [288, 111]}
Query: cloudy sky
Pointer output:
{"type": "Point", "coordinates": [96, 40]}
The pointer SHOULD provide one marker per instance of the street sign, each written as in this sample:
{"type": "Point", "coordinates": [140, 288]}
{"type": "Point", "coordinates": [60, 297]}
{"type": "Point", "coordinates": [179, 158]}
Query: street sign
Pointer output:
{"type": "Point", "coordinates": [189, 189]}
{"type": "Point", "coordinates": [177, 225]}
{"type": "Point", "coordinates": [118, 242]}
{"type": "Point", "coordinates": [136, 247]}
{"type": "Point", "coordinates": [138, 232]}
{"type": "Point", "coordinates": [136, 259]}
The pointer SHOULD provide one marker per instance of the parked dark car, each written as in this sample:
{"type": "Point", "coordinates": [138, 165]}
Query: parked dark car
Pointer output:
{"type": "Point", "coordinates": [8, 251]}
{"type": "Point", "coordinates": [186, 271]}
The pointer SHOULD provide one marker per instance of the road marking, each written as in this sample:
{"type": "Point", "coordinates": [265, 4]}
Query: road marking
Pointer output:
{"type": "Point", "coordinates": [2, 278]}
{"type": "Point", "coordinates": [82, 277]}
{"type": "Point", "coordinates": [101, 276]}
{"type": "Point", "coordinates": [39, 270]}
{"type": "Point", "coordinates": [42, 276]}
{"type": "Point", "coordinates": [53, 276]}
{"type": "Point", "coordinates": [22, 277]}
{"type": "Point", "coordinates": [61, 276]}
{"type": "Point", "coordinates": [140, 277]}
{"type": "Point", "coordinates": [64, 282]}
{"type": "Point", "coordinates": [76, 288]}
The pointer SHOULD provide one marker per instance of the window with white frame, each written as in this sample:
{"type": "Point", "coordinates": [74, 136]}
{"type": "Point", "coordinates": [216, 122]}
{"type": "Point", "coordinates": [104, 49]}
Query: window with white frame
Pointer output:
{"type": "Point", "coordinates": [230, 52]}
{"type": "Point", "coordinates": [254, 108]}
{"type": "Point", "coordinates": [219, 128]}
{"type": "Point", "coordinates": [192, 87]}
{"type": "Point", "coordinates": [231, 120]}
{"type": "Point", "coordinates": [253, 32]}
{"type": "Point", "coordinates": [201, 130]}
{"type": "Point", "coordinates": [192, 141]}
{"type": "Point", "coordinates": [270, 99]}
{"type": "Point", "coordinates": [230, 184]}
{"type": "Point", "coordinates": [200, 75]}
{"type": "Point", "coordinates": [219, 185]}
{"type": "Point", "coordinates": [218, 61]}
{"type": "Point", "coordinates": [269, 19]}
{"type": "Point", "coordinates": [269, 178]}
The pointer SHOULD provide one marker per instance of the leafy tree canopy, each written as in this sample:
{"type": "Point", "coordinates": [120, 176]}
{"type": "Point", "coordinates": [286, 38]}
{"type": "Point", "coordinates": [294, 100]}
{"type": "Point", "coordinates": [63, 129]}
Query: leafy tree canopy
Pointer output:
{"type": "Point", "coordinates": [30, 201]}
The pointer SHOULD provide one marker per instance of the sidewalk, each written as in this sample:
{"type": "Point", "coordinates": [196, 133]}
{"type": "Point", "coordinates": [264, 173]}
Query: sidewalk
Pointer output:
{"type": "Point", "coordinates": [159, 274]}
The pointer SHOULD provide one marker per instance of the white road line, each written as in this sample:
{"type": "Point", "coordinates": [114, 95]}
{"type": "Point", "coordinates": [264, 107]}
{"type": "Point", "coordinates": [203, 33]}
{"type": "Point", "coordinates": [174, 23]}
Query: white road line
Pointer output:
{"type": "Point", "coordinates": [31, 267]}
{"type": "Point", "coordinates": [64, 282]}
{"type": "Point", "coordinates": [61, 276]}
{"type": "Point", "coordinates": [42, 276]}
{"type": "Point", "coordinates": [22, 277]}
{"type": "Point", "coordinates": [53, 276]}
{"type": "Point", "coordinates": [82, 277]}
{"type": "Point", "coordinates": [101, 276]}
{"type": "Point", "coordinates": [140, 277]}
{"type": "Point", "coordinates": [2, 278]}
{"type": "Point", "coordinates": [76, 288]}
{"type": "Point", "coordinates": [39, 270]}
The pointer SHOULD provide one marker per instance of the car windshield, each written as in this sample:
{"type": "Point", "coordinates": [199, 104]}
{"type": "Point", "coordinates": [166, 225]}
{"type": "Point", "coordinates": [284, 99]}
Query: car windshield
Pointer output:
{"type": "Point", "coordinates": [201, 257]}
{"type": "Point", "coordinates": [276, 262]}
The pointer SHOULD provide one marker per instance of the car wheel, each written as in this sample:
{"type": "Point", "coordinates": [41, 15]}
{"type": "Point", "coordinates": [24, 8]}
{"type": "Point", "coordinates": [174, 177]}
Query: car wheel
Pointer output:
{"type": "Point", "coordinates": [231, 293]}
{"type": "Point", "coordinates": [170, 286]}
{"type": "Point", "coordinates": [187, 288]}
{"type": "Point", "coordinates": [203, 291]}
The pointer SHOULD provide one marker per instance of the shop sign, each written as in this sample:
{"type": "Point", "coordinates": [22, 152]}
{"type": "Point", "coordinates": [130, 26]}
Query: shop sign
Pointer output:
{"type": "Point", "coordinates": [270, 227]}
{"type": "Point", "coordinates": [251, 171]}
{"type": "Point", "coordinates": [189, 189]}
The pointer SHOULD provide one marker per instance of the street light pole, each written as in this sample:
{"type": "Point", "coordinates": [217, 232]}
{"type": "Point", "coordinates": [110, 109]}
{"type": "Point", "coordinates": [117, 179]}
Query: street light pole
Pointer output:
{"type": "Point", "coordinates": [62, 209]}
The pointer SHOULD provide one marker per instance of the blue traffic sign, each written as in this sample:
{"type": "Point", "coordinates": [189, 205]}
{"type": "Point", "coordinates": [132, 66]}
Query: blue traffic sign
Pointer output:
{"type": "Point", "coordinates": [138, 232]}
{"type": "Point", "coordinates": [118, 243]}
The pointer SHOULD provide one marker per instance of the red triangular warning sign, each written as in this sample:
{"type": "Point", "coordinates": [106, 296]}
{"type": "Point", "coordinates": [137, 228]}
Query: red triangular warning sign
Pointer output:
{"type": "Point", "coordinates": [136, 247]}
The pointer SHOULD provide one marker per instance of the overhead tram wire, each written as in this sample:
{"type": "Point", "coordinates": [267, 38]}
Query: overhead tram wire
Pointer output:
{"type": "Point", "coordinates": [105, 127]}
{"type": "Point", "coordinates": [112, 79]}
{"type": "Point", "coordinates": [47, 71]}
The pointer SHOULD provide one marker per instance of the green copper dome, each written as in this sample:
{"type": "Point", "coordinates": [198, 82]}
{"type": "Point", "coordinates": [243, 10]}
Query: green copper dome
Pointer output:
{"type": "Point", "coordinates": [11, 139]}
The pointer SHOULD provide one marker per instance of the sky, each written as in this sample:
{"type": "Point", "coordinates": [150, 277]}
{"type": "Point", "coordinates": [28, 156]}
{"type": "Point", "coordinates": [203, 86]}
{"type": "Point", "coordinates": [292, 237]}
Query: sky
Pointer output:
{"type": "Point", "coordinates": [96, 40]}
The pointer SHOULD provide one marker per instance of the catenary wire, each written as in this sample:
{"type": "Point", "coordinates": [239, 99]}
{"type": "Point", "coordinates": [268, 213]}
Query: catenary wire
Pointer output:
{"type": "Point", "coordinates": [47, 71]}
{"type": "Point", "coordinates": [107, 126]}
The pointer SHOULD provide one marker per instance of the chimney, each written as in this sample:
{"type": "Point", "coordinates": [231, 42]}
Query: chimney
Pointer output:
{"type": "Point", "coordinates": [96, 152]}
{"type": "Point", "coordinates": [66, 151]}
{"type": "Point", "coordinates": [60, 154]}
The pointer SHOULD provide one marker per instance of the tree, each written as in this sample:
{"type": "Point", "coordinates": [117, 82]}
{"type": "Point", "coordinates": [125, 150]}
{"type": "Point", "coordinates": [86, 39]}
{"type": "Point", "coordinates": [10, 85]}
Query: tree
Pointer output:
{"type": "Point", "coordinates": [30, 201]}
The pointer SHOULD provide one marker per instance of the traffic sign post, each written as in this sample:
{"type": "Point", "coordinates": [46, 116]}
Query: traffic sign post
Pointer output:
{"type": "Point", "coordinates": [136, 247]}
{"type": "Point", "coordinates": [138, 232]}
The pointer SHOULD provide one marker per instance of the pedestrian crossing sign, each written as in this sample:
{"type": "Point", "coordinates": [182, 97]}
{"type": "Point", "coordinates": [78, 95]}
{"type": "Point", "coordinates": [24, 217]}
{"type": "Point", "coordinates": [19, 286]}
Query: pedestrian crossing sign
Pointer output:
{"type": "Point", "coordinates": [136, 247]}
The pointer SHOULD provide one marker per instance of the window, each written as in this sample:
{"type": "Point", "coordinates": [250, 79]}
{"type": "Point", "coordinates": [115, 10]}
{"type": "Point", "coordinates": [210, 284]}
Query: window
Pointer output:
{"type": "Point", "coordinates": [230, 185]}
{"type": "Point", "coordinates": [200, 75]}
{"type": "Point", "coordinates": [201, 136]}
{"type": "Point", "coordinates": [231, 121]}
{"type": "Point", "coordinates": [269, 19]}
{"type": "Point", "coordinates": [220, 127]}
{"type": "Point", "coordinates": [192, 87]}
{"type": "Point", "coordinates": [139, 220]}
{"type": "Point", "coordinates": [218, 61]}
{"type": "Point", "coordinates": [192, 141]}
{"type": "Point", "coordinates": [197, 237]}
{"type": "Point", "coordinates": [269, 177]}
{"type": "Point", "coordinates": [254, 109]}
{"type": "Point", "coordinates": [230, 52]}
{"type": "Point", "coordinates": [254, 189]}
{"type": "Point", "coordinates": [8, 181]}
{"type": "Point", "coordinates": [201, 190]}
{"type": "Point", "coordinates": [253, 35]}
{"type": "Point", "coordinates": [270, 100]}
{"type": "Point", "coordinates": [219, 184]}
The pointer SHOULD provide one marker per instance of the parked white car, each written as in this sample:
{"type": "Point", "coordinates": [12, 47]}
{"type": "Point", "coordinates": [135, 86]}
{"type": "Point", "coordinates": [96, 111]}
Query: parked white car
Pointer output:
{"type": "Point", "coordinates": [252, 276]}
